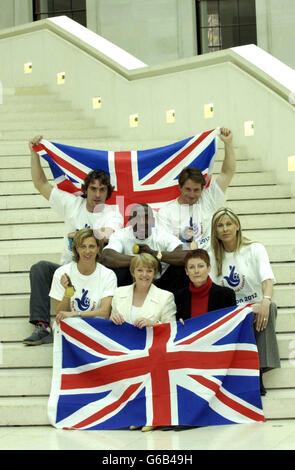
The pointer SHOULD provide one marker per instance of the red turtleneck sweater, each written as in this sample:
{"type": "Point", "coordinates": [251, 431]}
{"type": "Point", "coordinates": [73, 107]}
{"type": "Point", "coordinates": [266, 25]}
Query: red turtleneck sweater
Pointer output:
{"type": "Point", "coordinates": [200, 297]}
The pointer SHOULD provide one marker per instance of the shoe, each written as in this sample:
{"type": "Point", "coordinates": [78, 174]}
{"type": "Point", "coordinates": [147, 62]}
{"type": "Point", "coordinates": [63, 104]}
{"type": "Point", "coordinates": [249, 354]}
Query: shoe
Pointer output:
{"type": "Point", "coordinates": [132, 428]}
{"type": "Point", "coordinates": [183, 428]}
{"type": "Point", "coordinates": [39, 336]}
{"type": "Point", "coordinates": [148, 428]}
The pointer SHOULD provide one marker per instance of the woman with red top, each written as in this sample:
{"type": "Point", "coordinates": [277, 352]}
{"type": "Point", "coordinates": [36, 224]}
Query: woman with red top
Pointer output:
{"type": "Point", "coordinates": [201, 295]}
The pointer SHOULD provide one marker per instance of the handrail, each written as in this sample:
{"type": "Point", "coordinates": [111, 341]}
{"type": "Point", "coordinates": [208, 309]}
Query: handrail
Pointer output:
{"type": "Point", "coordinates": [265, 68]}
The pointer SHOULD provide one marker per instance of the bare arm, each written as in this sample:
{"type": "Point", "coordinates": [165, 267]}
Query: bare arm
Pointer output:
{"type": "Point", "coordinates": [63, 309]}
{"type": "Point", "coordinates": [38, 176]}
{"type": "Point", "coordinates": [229, 163]}
{"type": "Point", "coordinates": [262, 309]}
{"type": "Point", "coordinates": [175, 257]}
{"type": "Point", "coordinates": [114, 259]}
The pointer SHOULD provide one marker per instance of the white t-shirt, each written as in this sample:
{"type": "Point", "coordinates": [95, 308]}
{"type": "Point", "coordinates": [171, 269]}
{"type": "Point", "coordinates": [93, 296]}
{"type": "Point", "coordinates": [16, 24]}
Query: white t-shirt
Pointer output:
{"type": "Point", "coordinates": [244, 272]}
{"type": "Point", "coordinates": [89, 290]}
{"type": "Point", "coordinates": [73, 211]}
{"type": "Point", "coordinates": [123, 241]}
{"type": "Point", "coordinates": [177, 218]}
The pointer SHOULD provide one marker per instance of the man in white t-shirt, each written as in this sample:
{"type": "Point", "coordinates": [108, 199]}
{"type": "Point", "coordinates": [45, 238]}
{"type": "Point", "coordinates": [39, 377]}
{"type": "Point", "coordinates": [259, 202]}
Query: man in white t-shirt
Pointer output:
{"type": "Point", "coordinates": [142, 236]}
{"type": "Point", "coordinates": [78, 213]}
{"type": "Point", "coordinates": [189, 216]}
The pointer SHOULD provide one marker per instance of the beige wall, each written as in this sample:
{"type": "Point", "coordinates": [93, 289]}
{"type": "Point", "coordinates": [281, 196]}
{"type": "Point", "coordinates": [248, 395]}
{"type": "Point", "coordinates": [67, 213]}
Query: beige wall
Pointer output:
{"type": "Point", "coordinates": [184, 85]}
{"type": "Point", "coordinates": [155, 31]}
{"type": "Point", "coordinates": [276, 29]}
{"type": "Point", "coordinates": [15, 12]}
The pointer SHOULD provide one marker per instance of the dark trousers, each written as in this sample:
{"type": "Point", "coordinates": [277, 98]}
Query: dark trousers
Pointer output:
{"type": "Point", "coordinates": [174, 278]}
{"type": "Point", "coordinates": [41, 275]}
{"type": "Point", "coordinates": [267, 345]}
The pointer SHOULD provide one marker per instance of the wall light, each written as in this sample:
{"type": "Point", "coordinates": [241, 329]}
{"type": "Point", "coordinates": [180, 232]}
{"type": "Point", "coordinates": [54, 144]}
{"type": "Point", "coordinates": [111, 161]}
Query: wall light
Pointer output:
{"type": "Point", "coordinates": [291, 163]}
{"type": "Point", "coordinates": [96, 102]}
{"type": "Point", "coordinates": [61, 77]}
{"type": "Point", "coordinates": [170, 116]}
{"type": "Point", "coordinates": [208, 110]}
{"type": "Point", "coordinates": [133, 120]}
{"type": "Point", "coordinates": [28, 66]}
{"type": "Point", "coordinates": [249, 128]}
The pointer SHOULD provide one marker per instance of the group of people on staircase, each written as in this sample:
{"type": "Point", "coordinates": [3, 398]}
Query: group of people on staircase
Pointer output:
{"type": "Point", "coordinates": [186, 260]}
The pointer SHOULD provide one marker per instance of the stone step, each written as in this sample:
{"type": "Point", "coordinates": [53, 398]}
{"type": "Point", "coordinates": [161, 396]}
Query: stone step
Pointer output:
{"type": "Point", "coordinates": [279, 404]}
{"type": "Point", "coordinates": [53, 134]}
{"type": "Point", "coordinates": [19, 255]}
{"type": "Point", "coordinates": [23, 216]}
{"type": "Point", "coordinates": [27, 90]}
{"type": "Point", "coordinates": [17, 328]}
{"type": "Point", "coordinates": [285, 320]}
{"type": "Point", "coordinates": [264, 206]}
{"type": "Point", "coordinates": [18, 355]}
{"type": "Point", "coordinates": [19, 216]}
{"type": "Point", "coordinates": [24, 173]}
{"type": "Point", "coordinates": [18, 283]}
{"type": "Point", "coordinates": [15, 382]}
{"type": "Point", "coordinates": [12, 115]}
{"type": "Point", "coordinates": [48, 124]}
{"type": "Point", "coordinates": [56, 229]}
{"type": "Point", "coordinates": [26, 196]}
{"type": "Point", "coordinates": [34, 381]}
{"type": "Point", "coordinates": [32, 231]}
{"type": "Point", "coordinates": [23, 262]}
{"type": "Point", "coordinates": [23, 161]}
{"type": "Point", "coordinates": [9, 188]}
{"type": "Point", "coordinates": [17, 305]}
{"type": "Point", "coordinates": [21, 174]}
{"type": "Point", "coordinates": [25, 98]}
{"type": "Point", "coordinates": [25, 108]}
{"type": "Point", "coordinates": [20, 147]}
{"type": "Point", "coordinates": [22, 411]}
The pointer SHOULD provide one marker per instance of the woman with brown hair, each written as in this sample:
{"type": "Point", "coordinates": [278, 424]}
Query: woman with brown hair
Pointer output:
{"type": "Point", "coordinates": [83, 287]}
{"type": "Point", "coordinates": [201, 295]}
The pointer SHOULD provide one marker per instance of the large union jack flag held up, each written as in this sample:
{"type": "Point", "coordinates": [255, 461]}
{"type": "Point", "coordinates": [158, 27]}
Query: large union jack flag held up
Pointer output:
{"type": "Point", "coordinates": [143, 176]}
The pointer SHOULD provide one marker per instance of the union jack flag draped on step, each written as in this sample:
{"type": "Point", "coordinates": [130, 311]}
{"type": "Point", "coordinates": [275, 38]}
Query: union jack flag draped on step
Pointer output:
{"type": "Point", "coordinates": [205, 372]}
{"type": "Point", "coordinates": [143, 176]}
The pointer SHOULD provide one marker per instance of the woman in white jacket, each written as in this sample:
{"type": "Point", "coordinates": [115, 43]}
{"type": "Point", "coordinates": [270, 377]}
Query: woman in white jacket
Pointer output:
{"type": "Point", "coordinates": [142, 303]}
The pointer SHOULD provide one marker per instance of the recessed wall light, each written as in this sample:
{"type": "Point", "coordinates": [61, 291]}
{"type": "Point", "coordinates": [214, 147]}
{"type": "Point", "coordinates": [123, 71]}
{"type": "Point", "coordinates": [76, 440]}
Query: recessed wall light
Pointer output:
{"type": "Point", "coordinates": [291, 163]}
{"type": "Point", "coordinates": [96, 102]}
{"type": "Point", "coordinates": [170, 116]}
{"type": "Point", "coordinates": [208, 110]}
{"type": "Point", "coordinates": [28, 67]}
{"type": "Point", "coordinates": [61, 77]}
{"type": "Point", "coordinates": [133, 120]}
{"type": "Point", "coordinates": [249, 128]}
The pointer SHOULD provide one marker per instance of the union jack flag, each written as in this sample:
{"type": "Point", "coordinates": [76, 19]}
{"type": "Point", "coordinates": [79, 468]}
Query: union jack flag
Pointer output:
{"type": "Point", "coordinates": [143, 176]}
{"type": "Point", "coordinates": [205, 372]}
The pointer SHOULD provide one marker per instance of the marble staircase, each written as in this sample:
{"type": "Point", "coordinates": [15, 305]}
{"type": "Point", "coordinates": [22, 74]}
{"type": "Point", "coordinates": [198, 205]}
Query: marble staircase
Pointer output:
{"type": "Point", "coordinates": [31, 231]}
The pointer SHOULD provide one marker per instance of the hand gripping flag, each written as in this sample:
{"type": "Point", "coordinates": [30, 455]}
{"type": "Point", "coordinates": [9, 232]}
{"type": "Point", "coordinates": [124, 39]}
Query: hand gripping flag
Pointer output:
{"type": "Point", "coordinates": [205, 372]}
{"type": "Point", "coordinates": [143, 176]}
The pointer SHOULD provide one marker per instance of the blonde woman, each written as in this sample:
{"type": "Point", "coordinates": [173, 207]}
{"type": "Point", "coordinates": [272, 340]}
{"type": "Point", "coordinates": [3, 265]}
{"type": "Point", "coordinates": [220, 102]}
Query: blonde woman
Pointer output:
{"type": "Point", "coordinates": [142, 303]}
{"type": "Point", "coordinates": [243, 265]}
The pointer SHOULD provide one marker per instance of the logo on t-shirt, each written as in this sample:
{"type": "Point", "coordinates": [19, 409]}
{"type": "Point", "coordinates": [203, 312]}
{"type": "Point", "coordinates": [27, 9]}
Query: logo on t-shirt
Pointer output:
{"type": "Point", "coordinates": [84, 302]}
{"type": "Point", "coordinates": [234, 279]}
